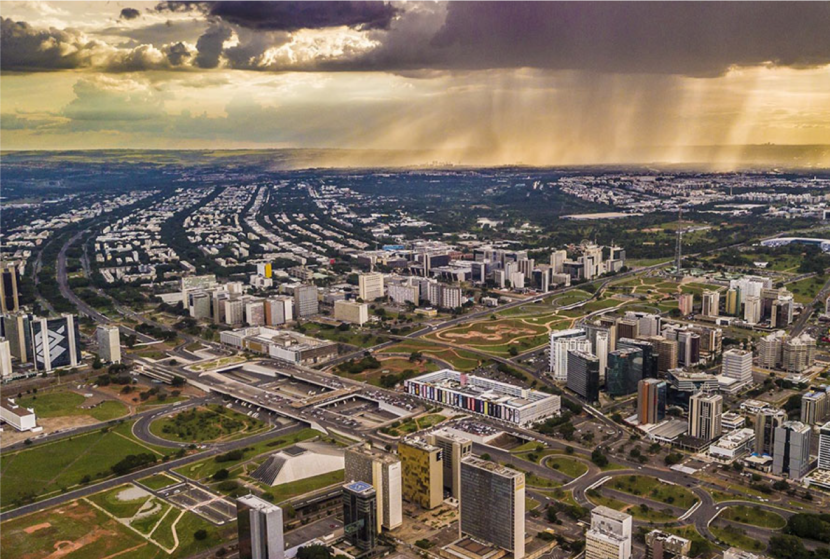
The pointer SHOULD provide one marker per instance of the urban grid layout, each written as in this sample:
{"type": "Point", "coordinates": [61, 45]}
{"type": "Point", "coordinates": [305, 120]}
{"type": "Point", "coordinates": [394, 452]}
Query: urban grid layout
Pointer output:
{"type": "Point", "coordinates": [450, 280]}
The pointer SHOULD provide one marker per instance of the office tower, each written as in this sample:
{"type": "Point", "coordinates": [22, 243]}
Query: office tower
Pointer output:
{"type": "Point", "coordinates": [561, 342]}
{"type": "Point", "coordinates": [824, 447]}
{"type": "Point", "coordinates": [259, 524]}
{"type": "Point", "coordinates": [731, 307]}
{"type": "Point", "coordinates": [279, 310]}
{"type": "Point", "coordinates": [686, 302]}
{"type": "Point", "coordinates": [649, 355]}
{"type": "Point", "coordinates": [450, 297]}
{"type": "Point", "coordinates": [798, 353]}
{"type": "Point", "coordinates": [217, 302]}
{"type": "Point", "coordinates": [454, 449]}
{"type": "Point", "coordinates": [351, 312]}
{"type": "Point", "coordinates": [305, 301]}
{"type": "Point", "coordinates": [264, 269]}
{"type": "Point", "coordinates": [370, 286]}
{"type": "Point", "coordinates": [234, 311]}
{"type": "Point", "coordinates": [9, 299]}
{"type": "Point", "coordinates": [557, 261]}
{"type": "Point", "coordinates": [814, 408]}
{"type": "Point", "coordinates": [752, 309]}
{"type": "Point", "coordinates": [601, 349]}
{"type": "Point", "coordinates": [18, 330]}
{"type": "Point", "coordinates": [401, 294]}
{"type": "Point", "coordinates": [652, 395]}
{"type": "Point", "coordinates": [791, 454]}
{"type": "Point", "coordinates": [666, 353]}
{"type": "Point", "coordinates": [359, 510]}
{"type": "Point", "coordinates": [583, 375]}
{"type": "Point", "coordinates": [688, 347]}
{"type": "Point", "coordinates": [517, 280]}
{"type": "Point", "coordinates": [770, 349]}
{"type": "Point", "coordinates": [109, 343]}
{"type": "Point", "coordinates": [705, 416]}
{"type": "Point", "coordinates": [255, 312]}
{"type": "Point", "coordinates": [526, 266]}
{"type": "Point", "coordinates": [199, 304]}
{"type": "Point", "coordinates": [662, 545]}
{"type": "Point", "coordinates": [628, 328]}
{"type": "Point", "coordinates": [422, 472]}
{"type": "Point", "coordinates": [609, 536]}
{"type": "Point", "coordinates": [766, 422]}
{"type": "Point", "coordinates": [55, 342]}
{"type": "Point", "coordinates": [5, 358]}
{"type": "Point", "coordinates": [383, 471]}
{"type": "Point", "coordinates": [647, 324]}
{"type": "Point", "coordinates": [710, 303]}
{"type": "Point", "coordinates": [625, 370]}
{"type": "Point", "coordinates": [737, 364]}
{"type": "Point", "coordinates": [492, 505]}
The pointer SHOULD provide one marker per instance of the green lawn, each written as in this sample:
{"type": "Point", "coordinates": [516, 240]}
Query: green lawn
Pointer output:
{"type": "Point", "coordinates": [107, 410]}
{"type": "Point", "coordinates": [568, 466]}
{"type": "Point", "coordinates": [805, 291]}
{"type": "Point", "coordinates": [654, 489]}
{"type": "Point", "coordinates": [210, 423]}
{"type": "Point", "coordinates": [640, 512]}
{"type": "Point", "coordinates": [747, 514]}
{"type": "Point", "coordinates": [146, 523]}
{"type": "Point", "coordinates": [458, 359]}
{"type": "Point", "coordinates": [288, 490]}
{"type": "Point", "coordinates": [736, 537]}
{"type": "Point", "coordinates": [63, 403]}
{"type": "Point", "coordinates": [412, 425]}
{"type": "Point", "coordinates": [530, 503]}
{"type": "Point", "coordinates": [158, 481]}
{"type": "Point", "coordinates": [35, 471]}
{"type": "Point", "coordinates": [115, 501]}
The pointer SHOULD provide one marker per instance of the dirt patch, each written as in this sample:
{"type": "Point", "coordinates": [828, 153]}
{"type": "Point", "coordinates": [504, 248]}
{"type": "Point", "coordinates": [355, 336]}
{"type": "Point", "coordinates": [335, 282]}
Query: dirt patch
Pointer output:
{"type": "Point", "coordinates": [494, 333]}
{"type": "Point", "coordinates": [36, 527]}
{"type": "Point", "coordinates": [49, 424]}
{"type": "Point", "coordinates": [132, 493]}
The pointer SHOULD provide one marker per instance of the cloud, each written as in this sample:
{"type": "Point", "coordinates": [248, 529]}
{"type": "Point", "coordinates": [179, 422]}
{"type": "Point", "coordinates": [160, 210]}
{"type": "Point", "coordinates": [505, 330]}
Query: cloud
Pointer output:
{"type": "Point", "coordinates": [129, 13]}
{"type": "Point", "coordinates": [293, 16]}
{"type": "Point", "coordinates": [210, 45]}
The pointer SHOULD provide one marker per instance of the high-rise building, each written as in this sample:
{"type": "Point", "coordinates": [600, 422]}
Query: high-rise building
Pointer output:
{"type": "Point", "coordinates": [791, 454]}
{"type": "Point", "coordinates": [383, 471]}
{"type": "Point", "coordinates": [824, 447]}
{"type": "Point", "coordinates": [662, 545]}
{"type": "Point", "coordinates": [557, 261]}
{"type": "Point", "coordinates": [752, 309]}
{"type": "Point", "coordinates": [814, 408]}
{"type": "Point", "coordinates": [259, 524]}
{"type": "Point", "coordinates": [666, 351]}
{"type": "Point", "coordinates": [625, 370]}
{"type": "Point", "coordinates": [352, 312]}
{"type": "Point", "coordinates": [562, 342]}
{"type": "Point", "coordinates": [370, 286]}
{"type": "Point", "coordinates": [628, 328]}
{"type": "Point", "coordinates": [705, 412]}
{"type": "Point", "coordinates": [305, 301]}
{"type": "Point", "coordinates": [422, 472]}
{"type": "Point", "coordinates": [770, 349]}
{"type": "Point", "coordinates": [711, 303]}
{"type": "Point", "coordinates": [798, 353]}
{"type": "Point", "coordinates": [767, 420]}
{"type": "Point", "coordinates": [650, 358]}
{"type": "Point", "coordinates": [9, 299]}
{"type": "Point", "coordinates": [688, 347]}
{"type": "Point", "coordinates": [732, 304]}
{"type": "Point", "coordinates": [279, 310]}
{"type": "Point", "coordinates": [685, 302]}
{"type": "Point", "coordinates": [55, 342]}
{"type": "Point", "coordinates": [737, 364]}
{"type": "Point", "coordinates": [234, 312]}
{"type": "Point", "coordinates": [454, 449]}
{"type": "Point", "coordinates": [602, 347]}
{"type": "Point", "coordinates": [255, 312]}
{"type": "Point", "coordinates": [109, 343]}
{"type": "Point", "coordinates": [359, 510]}
{"type": "Point", "coordinates": [652, 395]}
{"type": "Point", "coordinates": [487, 487]}
{"type": "Point", "coordinates": [609, 536]}
{"type": "Point", "coordinates": [5, 359]}
{"type": "Point", "coordinates": [583, 375]}
{"type": "Point", "coordinates": [17, 328]}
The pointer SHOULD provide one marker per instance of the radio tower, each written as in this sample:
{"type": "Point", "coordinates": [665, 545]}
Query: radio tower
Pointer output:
{"type": "Point", "coordinates": [678, 252]}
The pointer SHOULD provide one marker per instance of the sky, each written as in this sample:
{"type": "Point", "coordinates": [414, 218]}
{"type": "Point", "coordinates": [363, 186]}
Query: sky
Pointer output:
{"type": "Point", "coordinates": [540, 83]}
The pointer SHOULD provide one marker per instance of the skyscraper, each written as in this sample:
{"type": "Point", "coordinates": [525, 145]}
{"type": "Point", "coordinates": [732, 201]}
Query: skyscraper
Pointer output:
{"type": "Point", "coordinates": [791, 456]}
{"type": "Point", "coordinates": [666, 351]}
{"type": "Point", "coordinates": [370, 286]}
{"type": "Point", "coordinates": [824, 447]}
{"type": "Point", "coordinates": [422, 472]}
{"type": "Point", "coordinates": [492, 505]}
{"type": "Point", "coordinates": [650, 359]}
{"type": "Point", "coordinates": [583, 375]}
{"type": "Point", "coordinates": [752, 309]}
{"type": "Point", "coordinates": [766, 422]}
{"type": "Point", "coordinates": [109, 343]}
{"type": "Point", "coordinates": [652, 395]}
{"type": "Point", "coordinates": [454, 449]}
{"type": "Point", "coordinates": [685, 302]}
{"type": "Point", "coordinates": [814, 408]}
{"type": "Point", "coordinates": [561, 342]}
{"type": "Point", "coordinates": [711, 303]}
{"type": "Point", "coordinates": [609, 536]}
{"type": "Point", "coordinates": [798, 353]}
{"type": "Point", "coordinates": [705, 416]}
{"type": "Point", "coordinates": [5, 358]}
{"type": "Point", "coordinates": [305, 300]}
{"type": "Point", "coordinates": [9, 299]}
{"type": "Point", "coordinates": [625, 370]}
{"type": "Point", "coordinates": [383, 471]}
{"type": "Point", "coordinates": [737, 364]}
{"type": "Point", "coordinates": [359, 510]}
{"type": "Point", "coordinates": [732, 303]}
{"type": "Point", "coordinates": [55, 342]}
{"type": "Point", "coordinates": [259, 524]}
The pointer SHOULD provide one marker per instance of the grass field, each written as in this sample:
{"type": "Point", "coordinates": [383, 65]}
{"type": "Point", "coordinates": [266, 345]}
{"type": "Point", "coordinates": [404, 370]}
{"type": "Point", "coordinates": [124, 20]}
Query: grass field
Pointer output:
{"type": "Point", "coordinates": [38, 470]}
{"type": "Point", "coordinates": [458, 359]}
{"type": "Point", "coordinates": [391, 366]}
{"type": "Point", "coordinates": [63, 403]}
{"type": "Point", "coordinates": [654, 489]}
{"type": "Point", "coordinates": [700, 545]}
{"type": "Point", "coordinates": [211, 423]}
{"type": "Point", "coordinates": [288, 490]}
{"type": "Point", "coordinates": [640, 512]}
{"type": "Point", "coordinates": [412, 425]}
{"type": "Point", "coordinates": [805, 291]}
{"type": "Point", "coordinates": [747, 514]}
{"type": "Point", "coordinates": [736, 537]}
{"type": "Point", "coordinates": [158, 481]}
{"type": "Point", "coordinates": [568, 466]}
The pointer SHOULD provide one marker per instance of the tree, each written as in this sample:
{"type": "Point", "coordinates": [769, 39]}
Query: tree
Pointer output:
{"type": "Point", "coordinates": [314, 551]}
{"type": "Point", "coordinates": [200, 535]}
{"type": "Point", "coordinates": [598, 458]}
{"type": "Point", "coordinates": [513, 351]}
{"type": "Point", "coordinates": [220, 475]}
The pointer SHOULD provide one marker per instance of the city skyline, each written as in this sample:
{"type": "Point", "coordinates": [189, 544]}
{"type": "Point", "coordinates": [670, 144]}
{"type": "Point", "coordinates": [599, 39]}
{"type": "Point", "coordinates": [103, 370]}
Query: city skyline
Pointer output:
{"type": "Point", "coordinates": [472, 83]}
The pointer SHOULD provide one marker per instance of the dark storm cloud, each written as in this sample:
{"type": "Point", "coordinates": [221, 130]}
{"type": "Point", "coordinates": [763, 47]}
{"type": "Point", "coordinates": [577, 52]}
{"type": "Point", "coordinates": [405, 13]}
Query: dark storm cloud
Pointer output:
{"type": "Point", "coordinates": [210, 46]}
{"type": "Point", "coordinates": [177, 53]}
{"type": "Point", "coordinates": [25, 48]}
{"type": "Point", "coordinates": [292, 16]}
{"type": "Point", "coordinates": [129, 13]}
{"type": "Point", "coordinates": [693, 38]}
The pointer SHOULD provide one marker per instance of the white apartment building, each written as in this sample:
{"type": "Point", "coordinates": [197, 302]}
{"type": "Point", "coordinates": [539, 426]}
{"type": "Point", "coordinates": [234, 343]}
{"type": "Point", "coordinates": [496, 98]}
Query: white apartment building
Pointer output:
{"type": "Point", "coordinates": [561, 342]}
{"type": "Point", "coordinates": [370, 286]}
{"type": "Point", "coordinates": [351, 312]}
{"type": "Point", "coordinates": [737, 364]}
{"type": "Point", "coordinates": [109, 343]}
{"type": "Point", "coordinates": [609, 536]}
